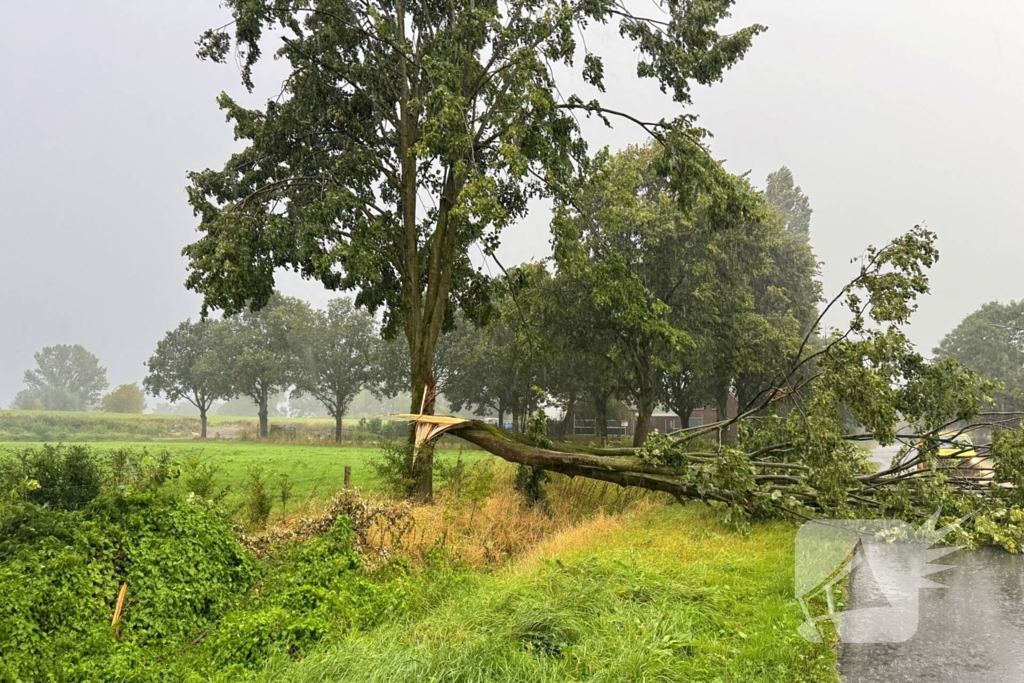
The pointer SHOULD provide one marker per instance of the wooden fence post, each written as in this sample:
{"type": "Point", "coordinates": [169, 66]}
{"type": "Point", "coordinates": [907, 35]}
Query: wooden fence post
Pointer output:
{"type": "Point", "coordinates": [348, 475]}
{"type": "Point", "coordinates": [115, 622]}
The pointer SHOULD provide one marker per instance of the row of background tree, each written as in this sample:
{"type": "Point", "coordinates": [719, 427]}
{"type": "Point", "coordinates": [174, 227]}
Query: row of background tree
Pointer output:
{"type": "Point", "coordinates": [640, 303]}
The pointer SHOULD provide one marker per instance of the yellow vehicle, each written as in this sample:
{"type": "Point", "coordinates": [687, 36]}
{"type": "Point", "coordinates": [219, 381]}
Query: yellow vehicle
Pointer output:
{"type": "Point", "coordinates": [958, 449]}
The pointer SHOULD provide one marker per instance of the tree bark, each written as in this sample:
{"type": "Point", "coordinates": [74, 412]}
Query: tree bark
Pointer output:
{"type": "Point", "coordinates": [337, 427]}
{"type": "Point", "coordinates": [423, 466]}
{"type": "Point", "coordinates": [264, 426]}
{"type": "Point", "coordinates": [722, 411]}
{"type": "Point", "coordinates": [601, 417]}
{"type": "Point", "coordinates": [624, 471]}
{"type": "Point", "coordinates": [202, 423]}
{"type": "Point", "coordinates": [570, 408]}
{"type": "Point", "coordinates": [644, 410]}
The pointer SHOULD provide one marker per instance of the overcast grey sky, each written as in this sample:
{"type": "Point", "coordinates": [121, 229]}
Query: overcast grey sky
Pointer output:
{"type": "Point", "coordinates": [889, 112]}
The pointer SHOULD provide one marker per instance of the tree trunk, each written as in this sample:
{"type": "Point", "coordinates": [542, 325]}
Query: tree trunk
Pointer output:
{"type": "Point", "coordinates": [570, 408]}
{"type": "Point", "coordinates": [601, 418]}
{"type": "Point", "coordinates": [644, 410]}
{"type": "Point", "coordinates": [624, 471]}
{"type": "Point", "coordinates": [423, 465]}
{"type": "Point", "coordinates": [337, 427]}
{"type": "Point", "coordinates": [264, 427]}
{"type": "Point", "coordinates": [722, 411]}
{"type": "Point", "coordinates": [202, 423]}
{"type": "Point", "coordinates": [501, 418]}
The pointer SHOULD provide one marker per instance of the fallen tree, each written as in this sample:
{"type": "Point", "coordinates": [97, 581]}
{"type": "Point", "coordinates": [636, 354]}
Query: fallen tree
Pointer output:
{"type": "Point", "coordinates": [795, 453]}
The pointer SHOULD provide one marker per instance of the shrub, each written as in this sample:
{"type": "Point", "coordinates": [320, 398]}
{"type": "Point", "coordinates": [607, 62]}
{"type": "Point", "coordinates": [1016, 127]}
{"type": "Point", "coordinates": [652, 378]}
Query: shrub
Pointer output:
{"type": "Point", "coordinates": [259, 503]}
{"type": "Point", "coordinates": [67, 477]}
{"type": "Point", "coordinates": [126, 398]}
{"type": "Point", "coordinates": [198, 479]}
{"type": "Point", "coordinates": [394, 468]}
{"type": "Point", "coordinates": [284, 492]}
{"type": "Point", "coordinates": [139, 470]}
{"type": "Point", "coordinates": [313, 591]}
{"type": "Point", "coordinates": [61, 573]}
{"type": "Point", "coordinates": [529, 482]}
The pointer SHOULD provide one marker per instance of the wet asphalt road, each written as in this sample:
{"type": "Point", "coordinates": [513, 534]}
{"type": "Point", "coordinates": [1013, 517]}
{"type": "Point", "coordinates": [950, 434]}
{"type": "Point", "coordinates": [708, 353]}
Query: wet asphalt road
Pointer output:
{"type": "Point", "coordinates": [971, 630]}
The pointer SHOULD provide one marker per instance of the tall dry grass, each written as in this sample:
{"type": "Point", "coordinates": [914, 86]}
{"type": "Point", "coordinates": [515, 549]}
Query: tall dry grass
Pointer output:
{"type": "Point", "coordinates": [487, 531]}
{"type": "Point", "coordinates": [482, 522]}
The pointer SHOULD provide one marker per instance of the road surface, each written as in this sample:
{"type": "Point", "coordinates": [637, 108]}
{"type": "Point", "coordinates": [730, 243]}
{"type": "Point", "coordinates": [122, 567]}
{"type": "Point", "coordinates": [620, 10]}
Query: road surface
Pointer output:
{"type": "Point", "coordinates": [971, 630]}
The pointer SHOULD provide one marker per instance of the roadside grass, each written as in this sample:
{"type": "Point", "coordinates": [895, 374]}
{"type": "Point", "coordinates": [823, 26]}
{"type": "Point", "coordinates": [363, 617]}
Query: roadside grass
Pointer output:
{"type": "Point", "coordinates": [666, 594]}
{"type": "Point", "coordinates": [315, 472]}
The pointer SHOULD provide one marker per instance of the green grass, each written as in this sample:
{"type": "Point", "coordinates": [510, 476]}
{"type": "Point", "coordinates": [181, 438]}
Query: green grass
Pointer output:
{"type": "Point", "coordinates": [316, 472]}
{"type": "Point", "coordinates": [670, 596]}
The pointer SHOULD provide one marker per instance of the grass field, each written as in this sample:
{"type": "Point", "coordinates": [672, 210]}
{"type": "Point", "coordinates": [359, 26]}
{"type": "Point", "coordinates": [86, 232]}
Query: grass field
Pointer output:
{"type": "Point", "coordinates": [316, 472]}
{"type": "Point", "coordinates": [51, 426]}
{"type": "Point", "coordinates": [668, 595]}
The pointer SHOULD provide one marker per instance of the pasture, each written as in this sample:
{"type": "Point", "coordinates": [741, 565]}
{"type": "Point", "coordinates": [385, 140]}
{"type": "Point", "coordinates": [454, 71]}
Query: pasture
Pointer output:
{"type": "Point", "coordinates": [315, 472]}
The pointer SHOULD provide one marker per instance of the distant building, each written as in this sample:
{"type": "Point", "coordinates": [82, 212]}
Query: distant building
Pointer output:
{"type": "Point", "coordinates": [665, 422]}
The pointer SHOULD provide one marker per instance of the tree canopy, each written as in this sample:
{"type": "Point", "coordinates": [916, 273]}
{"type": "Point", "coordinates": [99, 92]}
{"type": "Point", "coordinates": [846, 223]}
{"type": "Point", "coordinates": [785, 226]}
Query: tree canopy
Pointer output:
{"type": "Point", "coordinates": [255, 347]}
{"type": "Point", "coordinates": [407, 132]}
{"type": "Point", "coordinates": [694, 298]}
{"type": "Point", "coordinates": [126, 398]}
{"type": "Point", "coordinates": [66, 377]}
{"type": "Point", "coordinates": [990, 341]}
{"type": "Point", "coordinates": [186, 365]}
{"type": "Point", "coordinates": [782, 193]}
{"type": "Point", "coordinates": [335, 352]}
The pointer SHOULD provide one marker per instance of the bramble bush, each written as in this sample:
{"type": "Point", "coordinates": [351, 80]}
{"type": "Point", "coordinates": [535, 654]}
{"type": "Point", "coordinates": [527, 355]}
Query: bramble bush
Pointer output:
{"type": "Point", "coordinates": [199, 605]}
{"type": "Point", "coordinates": [60, 573]}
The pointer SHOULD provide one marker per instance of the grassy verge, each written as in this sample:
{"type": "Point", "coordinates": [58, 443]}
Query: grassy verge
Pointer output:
{"type": "Point", "coordinates": [666, 595]}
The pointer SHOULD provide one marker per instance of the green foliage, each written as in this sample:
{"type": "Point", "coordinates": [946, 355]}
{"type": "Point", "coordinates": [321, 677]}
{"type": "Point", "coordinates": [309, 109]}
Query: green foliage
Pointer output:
{"type": "Point", "coordinates": [259, 502]}
{"type": "Point", "coordinates": [661, 449]}
{"type": "Point", "coordinates": [790, 201]}
{"type": "Point", "coordinates": [126, 398]}
{"type": "Point", "coordinates": [990, 341]}
{"type": "Point", "coordinates": [394, 468]}
{"type": "Point", "coordinates": [66, 377]}
{"type": "Point", "coordinates": [65, 477]}
{"type": "Point", "coordinates": [467, 482]}
{"type": "Point", "coordinates": [62, 571]}
{"type": "Point", "coordinates": [493, 369]}
{"type": "Point", "coordinates": [529, 481]}
{"type": "Point", "coordinates": [199, 478]}
{"type": "Point", "coordinates": [255, 349]}
{"type": "Point", "coordinates": [304, 597]}
{"type": "Point", "coordinates": [284, 492]}
{"type": "Point", "coordinates": [184, 366]}
{"type": "Point", "coordinates": [671, 298]}
{"type": "Point", "coordinates": [336, 351]}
